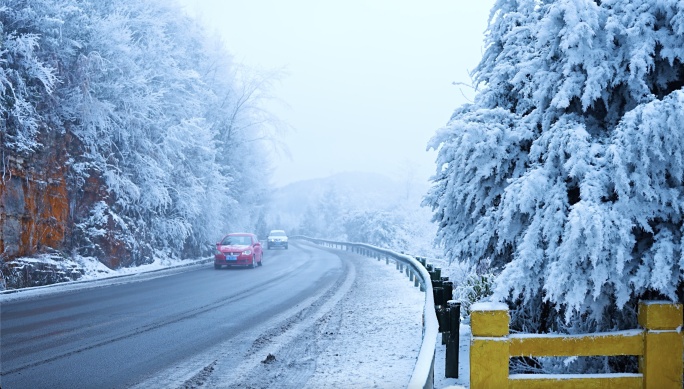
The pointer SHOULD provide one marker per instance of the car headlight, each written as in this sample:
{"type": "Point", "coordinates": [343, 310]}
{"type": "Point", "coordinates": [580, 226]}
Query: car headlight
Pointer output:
{"type": "Point", "coordinates": [218, 252]}
{"type": "Point", "coordinates": [246, 252]}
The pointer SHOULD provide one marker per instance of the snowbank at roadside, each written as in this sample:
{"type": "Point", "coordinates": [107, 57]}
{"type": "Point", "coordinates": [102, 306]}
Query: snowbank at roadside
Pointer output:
{"type": "Point", "coordinates": [90, 271]}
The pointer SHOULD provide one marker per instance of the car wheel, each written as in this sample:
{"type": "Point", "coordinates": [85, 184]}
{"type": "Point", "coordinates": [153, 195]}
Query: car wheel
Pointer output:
{"type": "Point", "coordinates": [217, 266]}
{"type": "Point", "coordinates": [253, 265]}
{"type": "Point", "coordinates": [285, 247]}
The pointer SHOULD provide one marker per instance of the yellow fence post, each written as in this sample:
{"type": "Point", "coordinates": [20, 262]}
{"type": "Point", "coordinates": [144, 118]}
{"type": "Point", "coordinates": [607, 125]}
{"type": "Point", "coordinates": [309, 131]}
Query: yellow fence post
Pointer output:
{"type": "Point", "coordinates": [661, 363]}
{"type": "Point", "coordinates": [489, 352]}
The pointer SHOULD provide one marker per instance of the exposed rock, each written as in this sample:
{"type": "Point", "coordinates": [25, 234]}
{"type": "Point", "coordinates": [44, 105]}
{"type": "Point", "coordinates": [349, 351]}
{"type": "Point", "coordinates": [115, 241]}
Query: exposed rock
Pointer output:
{"type": "Point", "coordinates": [20, 273]}
{"type": "Point", "coordinates": [270, 358]}
{"type": "Point", "coordinates": [34, 205]}
{"type": "Point", "coordinates": [39, 207]}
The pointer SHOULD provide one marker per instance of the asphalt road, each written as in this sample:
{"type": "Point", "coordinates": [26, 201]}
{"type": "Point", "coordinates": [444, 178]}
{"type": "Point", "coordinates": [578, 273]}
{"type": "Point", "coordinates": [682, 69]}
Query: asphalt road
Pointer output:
{"type": "Point", "coordinates": [175, 328]}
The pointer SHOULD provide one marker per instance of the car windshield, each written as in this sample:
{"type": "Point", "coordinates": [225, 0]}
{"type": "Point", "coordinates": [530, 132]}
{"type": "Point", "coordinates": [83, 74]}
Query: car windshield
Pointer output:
{"type": "Point", "coordinates": [236, 240]}
{"type": "Point", "coordinates": [278, 233]}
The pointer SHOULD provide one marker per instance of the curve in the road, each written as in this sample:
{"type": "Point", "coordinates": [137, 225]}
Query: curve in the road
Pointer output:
{"type": "Point", "coordinates": [124, 334]}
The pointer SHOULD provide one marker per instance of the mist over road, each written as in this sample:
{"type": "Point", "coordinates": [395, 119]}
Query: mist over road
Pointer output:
{"type": "Point", "coordinates": [176, 328]}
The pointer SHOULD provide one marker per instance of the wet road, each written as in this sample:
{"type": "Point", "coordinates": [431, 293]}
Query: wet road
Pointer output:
{"type": "Point", "coordinates": [165, 330]}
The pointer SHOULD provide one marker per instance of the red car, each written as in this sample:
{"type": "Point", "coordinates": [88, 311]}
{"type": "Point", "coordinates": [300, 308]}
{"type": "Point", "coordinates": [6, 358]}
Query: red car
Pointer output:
{"type": "Point", "coordinates": [238, 249]}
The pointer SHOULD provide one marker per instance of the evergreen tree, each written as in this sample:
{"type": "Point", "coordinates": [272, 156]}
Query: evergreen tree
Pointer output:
{"type": "Point", "coordinates": [566, 173]}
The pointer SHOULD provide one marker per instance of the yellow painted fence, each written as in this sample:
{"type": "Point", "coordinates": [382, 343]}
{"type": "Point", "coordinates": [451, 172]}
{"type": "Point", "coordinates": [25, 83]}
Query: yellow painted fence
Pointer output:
{"type": "Point", "coordinates": [658, 344]}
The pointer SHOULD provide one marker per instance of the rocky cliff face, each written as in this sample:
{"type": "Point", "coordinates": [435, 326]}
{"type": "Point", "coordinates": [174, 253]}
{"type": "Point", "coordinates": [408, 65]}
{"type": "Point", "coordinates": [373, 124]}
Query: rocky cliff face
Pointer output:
{"type": "Point", "coordinates": [34, 214]}
{"type": "Point", "coordinates": [41, 206]}
{"type": "Point", "coordinates": [34, 203]}
{"type": "Point", "coordinates": [39, 211]}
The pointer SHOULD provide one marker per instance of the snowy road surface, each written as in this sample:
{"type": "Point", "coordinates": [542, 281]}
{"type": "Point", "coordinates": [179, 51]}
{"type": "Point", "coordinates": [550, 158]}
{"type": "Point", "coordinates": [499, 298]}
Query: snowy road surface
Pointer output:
{"type": "Point", "coordinates": [329, 319]}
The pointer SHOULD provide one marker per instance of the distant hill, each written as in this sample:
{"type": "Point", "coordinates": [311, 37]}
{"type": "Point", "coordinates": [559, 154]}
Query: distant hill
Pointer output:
{"type": "Point", "coordinates": [352, 190]}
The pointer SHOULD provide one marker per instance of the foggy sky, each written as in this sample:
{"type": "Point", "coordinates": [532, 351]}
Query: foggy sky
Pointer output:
{"type": "Point", "coordinates": [367, 82]}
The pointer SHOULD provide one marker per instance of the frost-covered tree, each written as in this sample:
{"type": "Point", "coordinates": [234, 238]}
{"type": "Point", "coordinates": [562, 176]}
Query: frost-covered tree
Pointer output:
{"type": "Point", "coordinates": [143, 98]}
{"type": "Point", "coordinates": [378, 228]}
{"type": "Point", "coordinates": [566, 172]}
{"type": "Point", "coordinates": [311, 223]}
{"type": "Point", "coordinates": [324, 214]}
{"type": "Point", "coordinates": [27, 78]}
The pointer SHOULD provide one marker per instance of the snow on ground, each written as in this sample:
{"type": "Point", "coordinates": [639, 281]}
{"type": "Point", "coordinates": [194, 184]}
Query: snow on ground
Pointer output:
{"type": "Point", "coordinates": [97, 274]}
{"type": "Point", "coordinates": [376, 345]}
{"type": "Point", "coordinates": [463, 379]}
{"type": "Point", "coordinates": [380, 333]}
{"type": "Point", "coordinates": [96, 270]}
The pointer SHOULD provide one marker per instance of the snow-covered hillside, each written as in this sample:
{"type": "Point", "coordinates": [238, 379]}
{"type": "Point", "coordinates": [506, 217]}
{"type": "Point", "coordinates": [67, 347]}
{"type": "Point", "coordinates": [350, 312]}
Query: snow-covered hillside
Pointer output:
{"type": "Point", "coordinates": [363, 207]}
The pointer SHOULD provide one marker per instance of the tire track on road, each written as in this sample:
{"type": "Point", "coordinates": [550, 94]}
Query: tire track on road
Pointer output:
{"type": "Point", "coordinates": [262, 286]}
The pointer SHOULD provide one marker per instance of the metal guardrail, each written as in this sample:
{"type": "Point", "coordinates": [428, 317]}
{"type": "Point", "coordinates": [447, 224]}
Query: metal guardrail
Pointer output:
{"type": "Point", "coordinates": [424, 370]}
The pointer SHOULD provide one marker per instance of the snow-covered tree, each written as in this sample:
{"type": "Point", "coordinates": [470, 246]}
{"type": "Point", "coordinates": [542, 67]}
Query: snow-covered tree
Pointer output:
{"type": "Point", "coordinates": [566, 172]}
{"type": "Point", "coordinates": [379, 228]}
{"type": "Point", "coordinates": [27, 78]}
{"type": "Point", "coordinates": [144, 98]}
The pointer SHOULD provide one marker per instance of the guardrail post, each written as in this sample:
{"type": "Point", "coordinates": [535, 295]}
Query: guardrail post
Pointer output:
{"type": "Point", "coordinates": [661, 363]}
{"type": "Point", "coordinates": [437, 273]}
{"type": "Point", "coordinates": [438, 296]}
{"type": "Point", "coordinates": [440, 300]}
{"type": "Point", "coordinates": [454, 323]}
{"type": "Point", "coordinates": [489, 350]}
{"type": "Point", "coordinates": [445, 296]}
{"type": "Point", "coordinates": [448, 290]}
{"type": "Point", "coordinates": [437, 292]}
